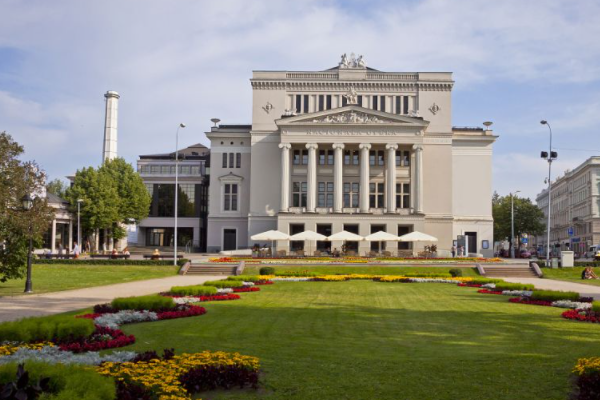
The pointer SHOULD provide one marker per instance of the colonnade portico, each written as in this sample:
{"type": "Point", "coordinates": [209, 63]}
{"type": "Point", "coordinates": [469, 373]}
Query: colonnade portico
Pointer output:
{"type": "Point", "coordinates": [389, 205]}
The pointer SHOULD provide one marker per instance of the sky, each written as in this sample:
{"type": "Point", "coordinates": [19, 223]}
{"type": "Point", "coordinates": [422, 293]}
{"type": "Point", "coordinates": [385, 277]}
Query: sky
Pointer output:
{"type": "Point", "coordinates": [515, 63]}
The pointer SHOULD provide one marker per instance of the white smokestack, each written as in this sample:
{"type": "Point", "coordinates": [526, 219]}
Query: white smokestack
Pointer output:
{"type": "Point", "coordinates": [110, 126]}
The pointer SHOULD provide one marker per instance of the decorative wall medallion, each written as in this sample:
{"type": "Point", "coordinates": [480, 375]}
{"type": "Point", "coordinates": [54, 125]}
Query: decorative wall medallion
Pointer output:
{"type": "Point", "coordinates": [434, 108]}
{"type": "Point", "coordinates": [352, 62]}
{"type": "Point", "coordinates": [351, 117]}
{"type": "Point", "coordinates": [268, 107]}
{"type": "Point", "coordinates": [351, 96]}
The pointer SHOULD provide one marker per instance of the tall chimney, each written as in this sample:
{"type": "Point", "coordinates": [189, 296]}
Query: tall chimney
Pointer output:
{"type": "Point", "coordinates": [110, 126]}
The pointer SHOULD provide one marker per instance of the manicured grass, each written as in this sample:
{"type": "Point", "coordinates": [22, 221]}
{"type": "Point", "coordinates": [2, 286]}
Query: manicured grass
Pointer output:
{"type": "Point", "coordinates": [375, 270]}
{"type": "Point", "coordinates": [53, 278]}
{"type": "Point", "coordinates": [571, 275]}
{"type": "Point", "coordinates": [370, 340]}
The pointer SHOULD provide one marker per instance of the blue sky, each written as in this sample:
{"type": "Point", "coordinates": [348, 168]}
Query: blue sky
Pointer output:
{"type": "Point", "coordinates": [514, 63]}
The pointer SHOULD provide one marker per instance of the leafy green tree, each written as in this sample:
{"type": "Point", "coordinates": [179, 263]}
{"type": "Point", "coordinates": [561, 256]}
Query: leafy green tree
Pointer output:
{"type": "Point", "coordinates": [57, 187]}
{"type": "Point", "coordinates": [18, 178]}
{"type": "Point", "coordinates": [527, 216]}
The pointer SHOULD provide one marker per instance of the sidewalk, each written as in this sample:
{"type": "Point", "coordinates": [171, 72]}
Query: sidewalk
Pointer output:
{"type": "Point", "coordinates": [16, 307]}
{"type": "Point", "coordinates": [551, 284]}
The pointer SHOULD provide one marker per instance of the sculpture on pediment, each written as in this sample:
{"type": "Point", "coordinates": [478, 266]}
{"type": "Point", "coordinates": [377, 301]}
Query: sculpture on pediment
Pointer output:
{"type": "Point", "coordinates": [352, 62]}
{"type": "Point", "coordinates": [351, 117]}
{"type": "Point", "coordinates": [351, 96]}
{"type": "Point", "coordinates": [360, 62]}
{"type": "Point", "coordinates": [289, 112]}
{"type": "Point", "coordinates": [344, 63]}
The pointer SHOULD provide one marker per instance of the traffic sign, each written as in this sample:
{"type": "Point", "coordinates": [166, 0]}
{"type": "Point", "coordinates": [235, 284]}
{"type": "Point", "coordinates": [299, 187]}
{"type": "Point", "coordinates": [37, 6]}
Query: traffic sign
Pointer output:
{"type": "Point", "coordinates": [524, 240]}
{"type": "Point", "coordinates": [570, 231]}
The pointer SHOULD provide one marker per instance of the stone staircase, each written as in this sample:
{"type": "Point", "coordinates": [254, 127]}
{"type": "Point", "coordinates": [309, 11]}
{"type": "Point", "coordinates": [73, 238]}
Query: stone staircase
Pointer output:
{"type": "Point", "coordinates": [499, 271]}
{"type": "Point", "coordinates": [211, 269]}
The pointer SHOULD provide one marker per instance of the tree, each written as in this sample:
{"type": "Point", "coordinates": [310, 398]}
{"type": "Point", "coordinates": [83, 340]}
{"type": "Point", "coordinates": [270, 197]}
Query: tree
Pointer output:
{"type": "Point", "coordinates": [18, 178]}
{"type": "Point", "coordinates": [527, 216]}
{"type": "Point", "coordinates": [57, 187]}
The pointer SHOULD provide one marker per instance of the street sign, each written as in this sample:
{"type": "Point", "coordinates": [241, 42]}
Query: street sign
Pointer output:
{"type": "Point", "coordinates": [524, 240]}
{"type": "Point", "coordinates": [570, 231]}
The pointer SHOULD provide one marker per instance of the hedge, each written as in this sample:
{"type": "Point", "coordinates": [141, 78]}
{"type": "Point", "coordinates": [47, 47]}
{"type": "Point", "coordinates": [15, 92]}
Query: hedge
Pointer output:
{"type": "Point", "coordinates": [596, 306]}
{"type": "Point", "coordinates": [483, 281]}
{"type": "Point", "coordinates": [195, 290]}
{"type": "Point", "coordinates": [67, 382]}
{"type": "Point", "coordinates": [95, 261]}
{"type": "Point", "coordinates": [246, 278]}
{"type": "Point", "coordinates": [267, 271]}
{"type": "Point", "coordinates": [513, 286]}
{"type": "Point", "coordinates": [594, 264]}
{"type": "Point", "coordinates": [151, 303]}
{"type": "Point", "coordinates": [554, 295]}
{"type": "Point", "coordinates": [224, 284]}
{"type": "Point", "coordinates": [52, 328]}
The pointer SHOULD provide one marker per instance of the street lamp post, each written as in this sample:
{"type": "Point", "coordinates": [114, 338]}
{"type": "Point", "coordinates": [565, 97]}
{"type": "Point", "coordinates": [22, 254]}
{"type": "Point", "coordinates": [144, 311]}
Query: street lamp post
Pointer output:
{"type": "Point", "coordinates": [27, 204]}
{"type": "Point", "coordinates": [512, 224]}
{"type": "Point", "coordinates": [549, 156]}
{"type": "Point", "coordinates": [181, 125]}
{"type": "Point", "coordinates": [79, 201]}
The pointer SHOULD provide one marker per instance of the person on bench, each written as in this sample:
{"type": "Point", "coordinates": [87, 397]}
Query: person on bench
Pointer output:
{"type": "Point", "coordinates": [126, 252]}
{"type": "Point", "coordinates": [156, 255]}
{"type": "Point", "coordinates": [114, 254]}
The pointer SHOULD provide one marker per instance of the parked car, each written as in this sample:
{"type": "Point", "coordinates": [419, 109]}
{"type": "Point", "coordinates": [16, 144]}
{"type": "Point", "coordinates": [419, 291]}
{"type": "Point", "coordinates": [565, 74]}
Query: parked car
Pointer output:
{"type": "Point", "coordinates": [592, 251]}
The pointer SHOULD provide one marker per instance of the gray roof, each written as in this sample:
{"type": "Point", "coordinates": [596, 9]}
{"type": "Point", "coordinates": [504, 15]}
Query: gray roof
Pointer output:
{"type": "Point", "coordinates": [54, 199]}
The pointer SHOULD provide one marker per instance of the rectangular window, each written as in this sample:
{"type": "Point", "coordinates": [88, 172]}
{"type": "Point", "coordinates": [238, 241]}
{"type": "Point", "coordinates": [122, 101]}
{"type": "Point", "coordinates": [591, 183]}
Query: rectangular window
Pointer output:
{"type": "Point", "coordinates": [402, 195]}
{"type": "Point", "coordinates": [359, 101]}
{"type": "Point", "coordinates": [398, 108]}
{"type": "Point", "coordinates": [305, 105]}
{"type": "Point", "coordinates": [224, 160]}
{"type": "Point", "coordinates": [380, 157]}
{"type": "Point", "coordinates": [304, 157]}
{"type": "Point", "coordinates": [329, 102]}
{"type": "Point", "coordinates": [150, 188]}
{"type": "Point", "coordinates": [238, 160]}
{"type": "Point", "coordinates": [382, 103]}
{"type": "Point", "coordinates": [351, 194]}
{"type": "Point", "coordinates": [375, 105]}
{"type": "Point", "coordinates": [344, 101]}
{"type": "Point", "coordinates": [355, 157]}
{"type": "Point", "coordinates": [186, 202]}
{"type": "Point", "coordinates": [325, 194]}
{"type": "Point", "coordinates": [372, 156]}
{"type": "Point", "coordinates": [321, 102]}
{"type": "Point", "coordinates": [298, 106]}
{"type": "Point", "coordinates": [231, 155]}
{"type": "Point", "coordinates": [195, 170]}
{"type": "Point", "coordinates": [321, 157]}
{"type": "Point", "coordinates": [230, 198]}
{"type": "Point", "coordinates": [398, 158]}
{"type": "Point", "coordinates": [330, 157]}
{"type": "Point", "coordinates": [299, 194]}
{"type": "Point", "coordinates": [405, 105]}
{"type": "Point", "coordinates": [347, 157]}
{"type": "Point", "coordinates": [406, 158]}
{"type": "Point", "coordinates": [155, 169]}
{"type": "Point", "coordinates": [185, 169]}
{"type": "Point", "coordinates": [376, 195]}
{"type": "Point", "coordinates": [296, 158]}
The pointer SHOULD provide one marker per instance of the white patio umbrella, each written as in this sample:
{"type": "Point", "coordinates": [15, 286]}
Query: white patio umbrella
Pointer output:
{"type": "Point", "coordinates": [308, 236]}
{"type": "Point", "coordinates": [345, 236]}
{"type": "Point", "coordinates": [272, 236]}
{"type": "Point", "coordinates": [417, 237]}
{"type": "Point", "coordinates": [382, 236]}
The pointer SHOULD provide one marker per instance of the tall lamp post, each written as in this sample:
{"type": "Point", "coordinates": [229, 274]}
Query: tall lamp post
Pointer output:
{"type": "Point", "coordinates": [181, 125]}
{"type": "Point", "coordinates": [79, 201]}
{"type": "Point", "coordinates": [512, 224]}
{"type": "Point", "coordinates": [549, 156]}
{"type": "Point", "coordinates": [27, 204]}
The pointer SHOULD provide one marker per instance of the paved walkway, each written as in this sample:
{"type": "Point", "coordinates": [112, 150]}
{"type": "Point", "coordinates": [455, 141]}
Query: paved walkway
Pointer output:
{"type": "Point", "coordinates": [15, 307]}
{"type": "Point", "coordinates": [551, 284]}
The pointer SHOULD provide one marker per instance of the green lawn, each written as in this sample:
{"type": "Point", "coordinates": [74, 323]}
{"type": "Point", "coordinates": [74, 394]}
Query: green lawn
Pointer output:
{"type": "Point", "coordinates": [571, 275]}
{"type": "Point", "coordinates": [375, 270]}
{"type": "Point", "coordinates": [56, 277]}
{"type": "Point", "coordinates": [369, 340]}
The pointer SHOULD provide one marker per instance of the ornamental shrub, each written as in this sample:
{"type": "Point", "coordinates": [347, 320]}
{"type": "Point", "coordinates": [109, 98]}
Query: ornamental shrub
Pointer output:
{"type": "Point", "coordinates": [246, 278]}
{"type": "Point", "coordinates": [67, 382]}
{"type": "Point", "coordinates": [483, 281]}
{"type": "Point", "coordinates": [195, 290]}
{"type": "Point", "coordinates": [596, 306]}
{"type": "Point", "coordinates": [52, 328]}
{"type": "Point", "coordinates": [151, 303]}
{"type": "Point", "coordinates": [553, 295]}
{"type": "Point", "coordinates": [297, 273]}
{"type": "Point", "coordinates": [96, 261]}
{"type": "Point", "coordinates": [513, 286]}
{"type": "Point", "coordinates": [267, 271]}
{"type": "Point", "coordinates": [224, 284]}
{"type": "Point", "coordinates": [456, 272]}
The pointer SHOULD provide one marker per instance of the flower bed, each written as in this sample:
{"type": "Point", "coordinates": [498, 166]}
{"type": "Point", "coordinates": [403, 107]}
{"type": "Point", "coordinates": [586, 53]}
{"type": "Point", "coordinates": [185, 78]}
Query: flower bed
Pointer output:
{"type": "Point", "coordinates": [581, 315]}
{"type": "Point", "coordinates": [246, 289]}
{"type": "Point", "coordinates": [587, 379]}
{"type": "Point", "coordinates": [525, 300]}
{"type": "Point", "coordinates": [464, 284]}
{"type": "Point", "coordinates": [102, 339]}
{"type": "Point", "coordinates": [487, 291]}
{"type": "Point", "coordinates": [198, 299]}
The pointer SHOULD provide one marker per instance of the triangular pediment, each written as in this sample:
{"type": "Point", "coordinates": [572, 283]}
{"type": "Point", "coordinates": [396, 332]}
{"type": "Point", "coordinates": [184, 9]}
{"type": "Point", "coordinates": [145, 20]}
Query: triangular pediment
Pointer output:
{"type": "Point", "coordinates": [352, 115]}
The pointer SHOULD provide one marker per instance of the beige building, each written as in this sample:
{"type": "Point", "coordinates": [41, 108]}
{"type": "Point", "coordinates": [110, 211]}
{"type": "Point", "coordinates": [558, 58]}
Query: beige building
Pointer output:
{"type": "Point", "coordinates": [351, 148]}
{"type": "Point", "coordinates": [575, 206]}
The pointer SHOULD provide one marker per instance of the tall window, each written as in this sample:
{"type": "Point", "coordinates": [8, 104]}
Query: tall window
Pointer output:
{"type": "Point", "coordinates": [372, 157]}
{"type": "Point", "coordinates": [304, 157]}
{"type": "Point", "coordinates": [231, 155]}
{"type": "Point", "coordinates": [230, 198]}
{"type": "Point", "coordinates": [299, 194]}
{"type": "Point", "coordinates": [305, 108]}
{"type": "Point", "coordinates": [329, 102]}
{"type": "Point", "coordinates": [322, 154]}
{"type": "Point", "coordinates": [344, 101]}
{"type": "Point", "coordinates": [398, 107]}
{"type": "Point", "coordinates": [330, 157]}
{"type": "Point", "coordinates": [321, 102]}
{"type": "Point", "coordinates": [351, 157]}
{"type": "Point", "coordinates": [402, 158]}
{"type": "Point", "coordinates": [296, 158]}
{"type": "Point", "coordinates": [376, 198]}
{"type": "Point", "coordinates": [375, 102]}
{"type": "Point", "coordinates": [298, 106]}
{"type": "Point", "coordinates": [359, 101]}
{"type": "Point", "coordinates": [186, 203]}
{"type": "Point", "coordinates": [380, 157]}
{"type": "Point", "coordinates": [224, 160]}
{"type": "Point", "coordinates": [325, 195]}
{"type": "Point", "coordinates": [402, 195]}
{"type": "Point", "coordinates": [150, 187]}
{"type": "Point", "coordinates": [351, 194]}
{"type": "Point", "coordinates": [405, 105]}
{"type": "Point", "coordinates": [238, 160]}
{"type": "Point", "coordinates": [382, 103]}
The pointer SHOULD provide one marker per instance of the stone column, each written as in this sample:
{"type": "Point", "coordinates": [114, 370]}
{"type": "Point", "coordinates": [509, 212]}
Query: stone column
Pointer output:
{"type": "Point", "coordinates": [71, 235]}
{"type": "Point", "coordinates": [390, 190]}
{"type": "Point", "coordinates": [338, 178]}
{"type": "Point", "coordinates": [418, 178]}
{"type": "Point", "coordinates": [285, 176]}
{"type": "Point", "coordinates": [364, 177]}
{"type": "Point", "coordinates": [311, 177]}
{"type": "Point", "coordinates": [53, 237]}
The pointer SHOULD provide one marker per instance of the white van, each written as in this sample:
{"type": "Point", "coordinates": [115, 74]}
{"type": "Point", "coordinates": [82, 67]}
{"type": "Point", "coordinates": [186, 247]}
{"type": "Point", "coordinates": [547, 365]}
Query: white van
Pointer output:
{"type": "Point", "coordinates": [592, 251]}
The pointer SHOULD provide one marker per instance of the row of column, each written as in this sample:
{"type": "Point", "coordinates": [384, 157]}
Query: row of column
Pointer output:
{"type": "Point", "coordinates": [338, 184]}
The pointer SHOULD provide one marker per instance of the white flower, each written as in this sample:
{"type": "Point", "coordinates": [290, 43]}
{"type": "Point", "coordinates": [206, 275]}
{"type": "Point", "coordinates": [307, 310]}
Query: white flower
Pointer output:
{"type": "Point", "coordinates": [248, 284]}
{"type": "Point", "coordinates": [113, 321]}
{"type": "Point", "coordinates": [225, 291]}
{"type": "Point", "coordinates": [522, 293]}
{"type": "Point", "coordinates": [54, 355]}
{"type": "Point", "coordinates": [572, 304]}
{"type": "Point", "coordinates": [489, 286]}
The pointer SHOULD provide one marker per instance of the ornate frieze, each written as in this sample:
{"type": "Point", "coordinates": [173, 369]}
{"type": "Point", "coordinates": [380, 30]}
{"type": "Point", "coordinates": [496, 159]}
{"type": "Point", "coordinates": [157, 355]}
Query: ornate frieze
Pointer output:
{"type": "Point", "coordinates": [352, 117]}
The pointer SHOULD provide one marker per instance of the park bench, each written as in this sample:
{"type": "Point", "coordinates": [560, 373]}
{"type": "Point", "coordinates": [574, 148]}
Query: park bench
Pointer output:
{"type": "Point", "coordinates": [162, 256]}
{"type": "Point", "coordinates": [111, 256]}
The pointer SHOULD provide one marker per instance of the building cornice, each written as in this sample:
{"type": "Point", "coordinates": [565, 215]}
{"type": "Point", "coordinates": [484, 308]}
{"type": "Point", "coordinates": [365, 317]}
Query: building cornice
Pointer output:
{"type": "Point", "coordinates": [342, 86]}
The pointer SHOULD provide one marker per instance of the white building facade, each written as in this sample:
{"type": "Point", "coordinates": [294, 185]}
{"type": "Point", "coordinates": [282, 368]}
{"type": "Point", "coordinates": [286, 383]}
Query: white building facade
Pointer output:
{"type": "Point", "coordinates": [575, 207]}
{"type": "Point", "coordinates": [351, 148]}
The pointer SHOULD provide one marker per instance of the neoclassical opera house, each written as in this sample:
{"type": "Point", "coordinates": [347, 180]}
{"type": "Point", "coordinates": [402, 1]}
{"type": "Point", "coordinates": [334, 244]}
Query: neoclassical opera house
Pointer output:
{"type": "Point", "coordinates": [351, 148]}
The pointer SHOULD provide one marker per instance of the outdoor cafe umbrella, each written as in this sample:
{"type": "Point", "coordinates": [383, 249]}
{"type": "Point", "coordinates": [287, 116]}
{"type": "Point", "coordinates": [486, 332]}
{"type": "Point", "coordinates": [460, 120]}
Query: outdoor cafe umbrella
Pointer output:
{"type": "Point", "coordinates": [417, 237]}
{"type": "Point", "coordinates": [272, 236]}
{"type": "Point", "coordinates": [382, 236]}
{"type": "Point", "coordinates": [308, 236]}
{"type": "Point", "coordinates": [345, 236]}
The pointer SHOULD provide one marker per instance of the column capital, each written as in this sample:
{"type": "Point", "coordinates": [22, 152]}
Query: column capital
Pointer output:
{"type": "Point", "coordinates": [364, 146]}
{"type": "Point", "coordinates": [312, 146]}
{"type": "Point", "coordinates": [338, 146]}
{"type": "Point", "coordinates": [417, 147]}
{"type": "Point", "coordinates": [285, 146]}
{"type": "Point", "coordinates": [391, 146]}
